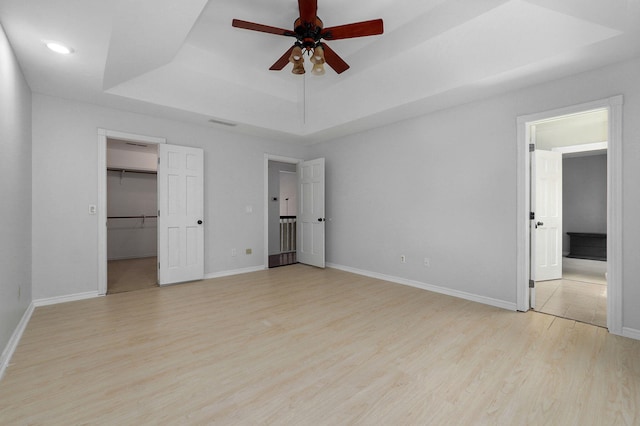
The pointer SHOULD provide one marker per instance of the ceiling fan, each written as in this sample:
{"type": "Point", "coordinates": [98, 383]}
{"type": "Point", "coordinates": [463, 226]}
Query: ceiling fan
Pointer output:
{"type": "Point", "coordinates": [308, 31]}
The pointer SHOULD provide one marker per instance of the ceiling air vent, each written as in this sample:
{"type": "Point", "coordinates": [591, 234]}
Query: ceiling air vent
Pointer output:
{"type": "Point", "coordinates": [224, 123]}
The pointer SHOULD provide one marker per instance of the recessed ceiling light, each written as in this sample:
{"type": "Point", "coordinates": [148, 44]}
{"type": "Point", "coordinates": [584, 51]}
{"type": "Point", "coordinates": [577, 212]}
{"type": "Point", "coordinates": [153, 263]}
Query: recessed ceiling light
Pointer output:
{"type": "Point", "coordinates": [58, 47]}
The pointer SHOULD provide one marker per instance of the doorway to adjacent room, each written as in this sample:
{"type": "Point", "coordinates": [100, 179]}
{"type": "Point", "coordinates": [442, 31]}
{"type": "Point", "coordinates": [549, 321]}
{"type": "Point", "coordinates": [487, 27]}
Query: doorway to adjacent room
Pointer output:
{"type": "Point", "coordinates": [282, 212]}
{"type": "Point", "coordinates": [569, 206]}
{"type": "Point", "coordinates": [530, 220]}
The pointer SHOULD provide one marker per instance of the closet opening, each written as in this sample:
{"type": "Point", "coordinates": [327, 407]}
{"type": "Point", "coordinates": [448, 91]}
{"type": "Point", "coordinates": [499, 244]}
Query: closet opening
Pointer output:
{"type": "Point", "coordinates": [282, 213]}
{"type": "Point", "coordinates": [132, 208]}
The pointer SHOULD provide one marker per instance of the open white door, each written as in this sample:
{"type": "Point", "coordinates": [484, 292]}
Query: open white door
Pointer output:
{"type": "Point", "coordinates": [180, 214]}
{"type": "Point", "coordinates": [311, 220]}
{"type": "Point", "coordinates": [546, 228]}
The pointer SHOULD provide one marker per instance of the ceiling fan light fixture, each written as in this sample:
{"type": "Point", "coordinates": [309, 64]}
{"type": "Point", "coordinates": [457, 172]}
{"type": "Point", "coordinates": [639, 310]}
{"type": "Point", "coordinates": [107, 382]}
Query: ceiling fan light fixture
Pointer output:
{"type": "Point", "coordinates": [298, 68]}
{"type": "Point", "coordinates": [317, 59]}
{"type": "Point", "coordinates": [318, 69]}
{"type": "Point", "coordinates": [297, 60]}
{"type": "Point", "coordinates": [296, 55]}
{"type": "Point", "coordinates": [318, 55]}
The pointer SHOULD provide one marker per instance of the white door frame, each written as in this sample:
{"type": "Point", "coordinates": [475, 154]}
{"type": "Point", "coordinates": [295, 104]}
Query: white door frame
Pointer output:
{"type": "Point", "coordinates": [103, 135]}
{"type": "Point", "coordinates": [614, 205]}
{"type": "Point", "coordinates": [267, 158]}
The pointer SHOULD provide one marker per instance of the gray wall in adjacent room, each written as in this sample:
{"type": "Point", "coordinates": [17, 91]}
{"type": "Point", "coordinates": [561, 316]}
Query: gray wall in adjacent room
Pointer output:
{"type": "Point", "coordinates": [584, 195]}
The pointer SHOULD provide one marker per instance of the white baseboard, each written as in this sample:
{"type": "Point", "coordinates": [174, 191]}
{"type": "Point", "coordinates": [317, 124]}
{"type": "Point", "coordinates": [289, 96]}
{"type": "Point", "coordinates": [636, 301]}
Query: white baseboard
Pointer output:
{"type": "Point", "coordinates": [8, 351]}
{"type": "Point", "coordinates": [234, 272]}
{"type": "Point", "coordinates": [631, 333]}
{"type": "Point", "coordinates": [429, 287]}
{"type": "Point", "coordinates": [66, 298]}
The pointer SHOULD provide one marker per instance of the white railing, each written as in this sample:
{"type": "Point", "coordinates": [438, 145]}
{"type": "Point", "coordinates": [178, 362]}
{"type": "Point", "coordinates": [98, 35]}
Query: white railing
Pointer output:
{"type": "Point", "coordinates": [287, 234]}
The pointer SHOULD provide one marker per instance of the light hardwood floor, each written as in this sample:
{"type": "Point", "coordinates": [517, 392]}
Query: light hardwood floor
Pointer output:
{"type": "Point", "coordinates": [577, 296]}
{"type": "Point", "coordinates": [131, 274]}
{"type": "Point", "coordinates": [303, 346]}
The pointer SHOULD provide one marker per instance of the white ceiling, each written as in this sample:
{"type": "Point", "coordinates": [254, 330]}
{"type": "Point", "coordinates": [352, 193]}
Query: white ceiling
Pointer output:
{"type": "Point", "coordinates": [183, 60]}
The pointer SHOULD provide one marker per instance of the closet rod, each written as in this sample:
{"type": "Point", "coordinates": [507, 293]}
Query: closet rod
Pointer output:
{"type": "Point", "coordinates": [130, 217]}
{"type": "Point", "coordinates": [149, 172]}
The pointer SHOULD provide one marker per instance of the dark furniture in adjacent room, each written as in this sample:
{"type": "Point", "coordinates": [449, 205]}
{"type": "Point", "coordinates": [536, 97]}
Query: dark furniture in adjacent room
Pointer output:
{"type": "Point", "coordinates": [584, 245]}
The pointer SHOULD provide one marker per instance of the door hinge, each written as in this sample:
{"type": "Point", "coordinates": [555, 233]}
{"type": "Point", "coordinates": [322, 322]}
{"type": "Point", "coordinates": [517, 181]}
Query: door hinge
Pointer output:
{"type": "Point", "coordinates": [158, 213]}
{"type": "Point", "coordinates": [532, 284]}
{"type": "Point", "coordinates": [532, 215]}
{"type": "Point", "coordinates": [532, 147]}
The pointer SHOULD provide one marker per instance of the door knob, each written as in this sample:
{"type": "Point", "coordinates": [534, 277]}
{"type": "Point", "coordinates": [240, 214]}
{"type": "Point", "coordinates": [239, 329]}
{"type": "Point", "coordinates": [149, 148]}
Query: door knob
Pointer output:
{"type": "Point", "coordinates": [539, 224]}
{"type": "Point", "coordinates": [199, 222]}
{"type": "Point", "coordinates": [320, 219]}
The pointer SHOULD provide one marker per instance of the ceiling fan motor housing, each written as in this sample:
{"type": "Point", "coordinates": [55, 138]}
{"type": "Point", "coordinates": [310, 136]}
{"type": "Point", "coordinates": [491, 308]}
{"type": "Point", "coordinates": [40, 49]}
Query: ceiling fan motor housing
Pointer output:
{"type": "Point", "coordinates": [308, 33]}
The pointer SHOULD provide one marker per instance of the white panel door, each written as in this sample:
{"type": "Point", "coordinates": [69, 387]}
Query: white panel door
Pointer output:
{"type": "Point", "coordinates": [180, 214]}
{"type": "Point", "coordinates": [547, 226]}
{"type": "Point", "coordinates": [311, 220]}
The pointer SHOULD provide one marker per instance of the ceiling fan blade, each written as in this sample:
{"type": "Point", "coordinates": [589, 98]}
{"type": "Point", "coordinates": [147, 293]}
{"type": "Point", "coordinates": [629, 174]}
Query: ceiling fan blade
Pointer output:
{"type": "Point", "coordinates": [333, 60]}
{"type": "Point", "coordinates": [283, 61]}
{"type": "Point", "coordinates": [308, 10]}
{"type": "Point", "coordinates": [262, 28]}
{"type": "Point", "coordinates": [358, 29]}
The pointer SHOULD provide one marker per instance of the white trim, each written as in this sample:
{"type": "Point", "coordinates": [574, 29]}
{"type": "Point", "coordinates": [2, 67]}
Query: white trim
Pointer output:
{"type": "Point", "coordinates": [584, 147]}
{"type": "Point", "coordinates": [102, 212]}
{"type": "Point", "coordinates": [631, 333]}
{"type": "Point", "coordinates": [234, 272]}
{"type": "Point", "coordinates": [267, 158]}
{"type": "Point", "coordinates": [132, 137]}
{"type": "Point", "coordinates": [614, 214]}
{"type": "Point", "coordinates": [66, 298]}
{"type": "Point", "coordinates": [8, 351]}
{"type": "Point", "coordinates": [523, 207]}
{"type": "Point", "coordinates": [103, 134]}
{"type": "Point", "coordinates": [429, 287]}
{"type": "Point", "coordinates": [614, 204]}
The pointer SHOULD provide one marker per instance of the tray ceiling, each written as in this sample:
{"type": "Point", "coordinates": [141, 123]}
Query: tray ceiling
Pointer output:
{"type": "Point", "coordinates": [183, 60]}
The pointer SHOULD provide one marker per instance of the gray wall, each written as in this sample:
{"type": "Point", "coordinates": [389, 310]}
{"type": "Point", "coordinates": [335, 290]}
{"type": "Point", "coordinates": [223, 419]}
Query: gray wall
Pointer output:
{"type": "Point", "coordinates": [443, 186]}
{"type": "Point", "coordinates": [584, 195]}
{"type": "Point", "coordinates": [15, 189]}
{"type": "Point", "coordinates": [65, 237]}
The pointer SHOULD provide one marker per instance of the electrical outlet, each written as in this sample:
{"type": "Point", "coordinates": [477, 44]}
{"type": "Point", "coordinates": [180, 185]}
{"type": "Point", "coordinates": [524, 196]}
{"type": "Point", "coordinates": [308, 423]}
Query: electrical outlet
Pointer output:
{"type": "Point", "coordinates": [427, 262]}
{"type": "Point", "coordinates": [403, 259]}
{"type": "Point", "coordinates": [248, 251]}
{"type": "Point", "coordinates": [233, 252]}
